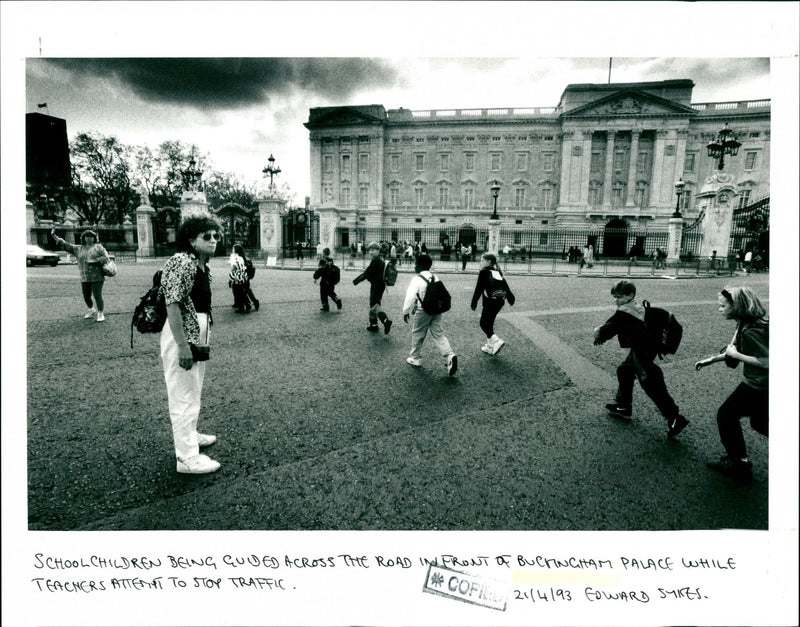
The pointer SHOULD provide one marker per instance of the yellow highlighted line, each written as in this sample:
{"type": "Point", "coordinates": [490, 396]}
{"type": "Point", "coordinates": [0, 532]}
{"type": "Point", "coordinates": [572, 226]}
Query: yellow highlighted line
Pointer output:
{"type": "Point", "coordinates": [522, 576]}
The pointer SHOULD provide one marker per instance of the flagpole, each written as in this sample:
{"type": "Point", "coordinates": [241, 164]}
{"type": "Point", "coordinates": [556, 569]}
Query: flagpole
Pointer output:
{"type": "Point", "coordinates": [609, 69]}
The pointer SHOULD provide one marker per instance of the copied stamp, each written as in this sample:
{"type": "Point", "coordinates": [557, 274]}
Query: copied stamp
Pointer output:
{"type": "Point", "coordinates": [462, 586]}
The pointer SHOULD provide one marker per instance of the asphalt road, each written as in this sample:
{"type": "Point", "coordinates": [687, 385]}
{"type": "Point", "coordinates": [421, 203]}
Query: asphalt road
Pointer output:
{"type": "Point", "coordinates": [323, 425]}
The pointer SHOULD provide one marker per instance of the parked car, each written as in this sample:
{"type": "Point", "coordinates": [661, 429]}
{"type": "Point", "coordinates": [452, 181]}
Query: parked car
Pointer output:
{"type": "Point", "coordinates": [35, 255]}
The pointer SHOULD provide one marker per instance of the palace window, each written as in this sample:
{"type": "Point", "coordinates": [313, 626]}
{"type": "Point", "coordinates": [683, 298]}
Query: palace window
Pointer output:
{"type": "Point", "coordinates": [363, 163]}
{"type": "Point", "coordinates": [688, 163]}
{"type": "Point", "coordinates": [444, 162]}
{"type": "Point", "coordinates": [419, 195]}
{"type": "Point", "coordinates": [686, 200]}
{"type": "Point", "coordinates": [641, 196]}
{"type": "Point", "coordinates": [750, 160]}
{"type": "Point", "coordinates": [744, 198]}
{"type": "Point", "coordinates": [327, 164]}
{"type": "Point", "coordinates": [643, 162]}
{"type": "Point", "coordinates": [469, 161]}
{"type": "Point", "coordinates": [395, 163]}
{"type": "Point", "coordinates": [344, 195]}
{"type": "Point", "coordinates": [469, 198]}
{"type": "Point", "coordinates": [470, 139]}
{"type": "Point", "coordinates": [394, 196]}
{"type": "Point", "coordinates": [444, 196]}
{"type": "Point", "coordinates": [419, 161]}
{"type": "Point", "coordinates": [619, 160]}
{"type": "Point", "coordinates": [345, 164]}
{"type": "Point", "coordinates": [522, 161]}
{"type": "Point", "coordinates": [520, 197]}
{"type": "Point", "coordinates": [595, 194]}
{"type": "Point", "coordinates": [495, 160]}
{"type": "Point", "coordinates": [618, 195]}
{"type": "Point", "coordinates": [548, 159]}
{"type": "Point", "coordinates": [597, 161]}
{"type": "Point", "coordinates": [547, 197]}
{"type": "Point", "coordinates": [363, 194]}
{"type": "Point", "coordinates": [327, 192]}
{"type": "Point", "coordinates": [345, 142]}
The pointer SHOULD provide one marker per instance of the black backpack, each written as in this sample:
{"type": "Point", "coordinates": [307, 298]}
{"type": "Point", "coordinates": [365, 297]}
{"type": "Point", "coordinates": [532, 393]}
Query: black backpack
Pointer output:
{"type": "Point", "coordinates": [251, 269]}
{"type": "Point", "coordinates": [437, 298]}
{"type": "Point", "coordinates": [497, 288]}
{"type": "Point", "coordinates": [332, 274]}
{"type": "Point", "coordinates": [664, 328]}
{"type": "Point", "coordinates": [151, 312]}
{"type": "Point", "coordinates": [389, 273]}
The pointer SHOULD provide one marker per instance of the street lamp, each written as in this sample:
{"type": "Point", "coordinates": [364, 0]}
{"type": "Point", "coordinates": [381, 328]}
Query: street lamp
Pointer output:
{"type": "Point", "coordinates": [271, 170]}
{"type": "Point", "coordinates": [191, 175]}
{"type": "Point", "coordinates": [725, 144]}
{"type": "Point", "coordinates": [679, 185]}
{"type": "Point", "coordinates": [495, 193]}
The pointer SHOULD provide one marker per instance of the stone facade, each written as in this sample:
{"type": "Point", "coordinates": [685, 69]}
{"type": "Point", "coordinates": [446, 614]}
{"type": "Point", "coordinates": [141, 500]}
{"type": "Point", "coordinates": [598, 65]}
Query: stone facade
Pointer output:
{"type": "Point", "coordinates": [607, 153]}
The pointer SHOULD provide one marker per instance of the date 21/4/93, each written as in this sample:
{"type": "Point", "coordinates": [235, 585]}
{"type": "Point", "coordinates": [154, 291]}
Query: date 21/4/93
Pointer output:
{"type": "Point", "coordinates": [543, 594]}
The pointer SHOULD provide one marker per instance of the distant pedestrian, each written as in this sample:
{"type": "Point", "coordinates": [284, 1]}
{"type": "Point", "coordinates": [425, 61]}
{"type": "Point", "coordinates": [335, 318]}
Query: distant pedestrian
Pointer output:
{"type": "Point", "coordinates": [237, 280]}
{"type": "Point", "coordinates": [588, 256]}
{"type": "Point", "coordinates": [466, 252]}
{"type": "Point", "coordinates": [91, 256]}
{"type": "Point", "coordinates": [328, 276]}
{"type": "Point", "coordinates": [374, 274]}
{"type": "Point", "coordinates": [319, 250]}
{"type": "Point", "coordinates": [628, 324]}
{"type": "Point", "coordinates": [299, 250]}
{"type": "Point", "coordinates": [186, 286]}
{"type": "Point", "coordinates": [493, 290]}
{"type": "Point", "coordinates": [423, 323]}
{"type": "Point", "coordinates": [750, 346]}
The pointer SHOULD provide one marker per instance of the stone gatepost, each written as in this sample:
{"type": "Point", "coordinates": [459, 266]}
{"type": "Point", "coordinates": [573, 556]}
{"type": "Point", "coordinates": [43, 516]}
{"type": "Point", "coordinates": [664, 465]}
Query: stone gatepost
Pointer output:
{"type": "Point", "coordinates": [675, 237]}
{"type": "Point", "coordinates": [269, 211]}
{"type": "Point", "coordinates": [193, 202]}
{"type": "Point", "coordinates": [494, 237]}
{"type": "Point", "coordinates": [30, 222]}
{"type": "Point", "coordinates": [144, 226]}
{"type": "Point", "coordinates": [128, 229]}
{"type": "Point", "coordinates": [328, 219]}
{"type": "Point", "coordinates": [716, 201]}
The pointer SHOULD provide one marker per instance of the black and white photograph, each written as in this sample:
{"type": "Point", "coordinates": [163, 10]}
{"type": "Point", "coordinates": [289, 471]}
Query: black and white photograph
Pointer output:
{"type": "Point", "coordinates": [477, 332]}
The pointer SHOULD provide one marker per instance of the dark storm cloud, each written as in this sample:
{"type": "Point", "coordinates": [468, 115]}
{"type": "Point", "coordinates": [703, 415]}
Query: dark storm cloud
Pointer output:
{"type": "Point", "coordinates": [234, 82]}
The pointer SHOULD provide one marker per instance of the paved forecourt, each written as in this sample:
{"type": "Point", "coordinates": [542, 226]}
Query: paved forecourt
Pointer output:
{"type": "Point", "coordinates": [323, 425]}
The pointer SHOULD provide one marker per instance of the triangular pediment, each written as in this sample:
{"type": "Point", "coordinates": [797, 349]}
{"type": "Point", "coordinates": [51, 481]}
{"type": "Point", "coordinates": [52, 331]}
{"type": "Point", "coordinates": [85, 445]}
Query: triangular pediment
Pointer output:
{"type": "Point", "coordinates": [630, 102]}
{"type": "Point", "coordinates": [342, 116]}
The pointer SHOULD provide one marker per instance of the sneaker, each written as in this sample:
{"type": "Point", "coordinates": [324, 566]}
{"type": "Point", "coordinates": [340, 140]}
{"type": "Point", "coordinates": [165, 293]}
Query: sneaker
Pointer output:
{"type": "Point", "coordinates": [372, 327]}
{"type": "Point", "coordinates": [619, 410]}
{"type": "Point", "coordinates": [741, 470]}
{"type": "Point", "coordinates": [100, 317]}
{"type": "Point", "coordinates": [497, 346]}
{"type": "Point", "coordinates": [676, 425]}
{"type": "Point", "coordinates": [198, 465]}
{"type": "Point", "coordinates": [338, 303]}
{"type": "Point", "coordinates": [90, 313]}
{"type": "Point", "coordinates": [414, 361]}
{"type": "Point", "coordinates": [452, 364]}
{"type": "Point", "coordinates": [387, 326]}
{"type": "Point", "coordinates": [487, 348]}
{"type": "Point", "coordinates": [324, 308]}
{"type": "Point", "coordinates": [257, 304]}
{"type": "Point", "coordinates": [205, 440]}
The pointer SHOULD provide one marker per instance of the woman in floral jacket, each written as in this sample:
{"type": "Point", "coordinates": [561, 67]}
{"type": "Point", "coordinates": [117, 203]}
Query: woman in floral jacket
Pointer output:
{"type": "Point", "coordinates": [186, 285]}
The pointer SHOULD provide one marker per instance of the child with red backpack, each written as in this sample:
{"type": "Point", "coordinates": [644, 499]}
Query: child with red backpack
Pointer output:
{"type": "Point", "coordinates": [628, 323]}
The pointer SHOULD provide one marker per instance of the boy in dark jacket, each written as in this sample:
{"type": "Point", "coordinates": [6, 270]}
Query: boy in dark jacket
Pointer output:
{"type": "Point", "coordinates": [374, 274]}
{"type": "Point", "coordinates": [628, 324]}
{"type": "Point", "coordinates": [326, 286]}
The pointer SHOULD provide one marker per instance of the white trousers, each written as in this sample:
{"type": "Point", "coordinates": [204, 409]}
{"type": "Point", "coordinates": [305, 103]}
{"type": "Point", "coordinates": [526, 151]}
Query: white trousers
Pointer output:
{"type": "Point", "coordinates": [423, 324]}
{"type": "Point", "coordinates": [184, 390]}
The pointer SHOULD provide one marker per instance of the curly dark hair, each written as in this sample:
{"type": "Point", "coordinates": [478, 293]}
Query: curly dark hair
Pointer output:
{"type": "Point", "coordinates": [192, 227]}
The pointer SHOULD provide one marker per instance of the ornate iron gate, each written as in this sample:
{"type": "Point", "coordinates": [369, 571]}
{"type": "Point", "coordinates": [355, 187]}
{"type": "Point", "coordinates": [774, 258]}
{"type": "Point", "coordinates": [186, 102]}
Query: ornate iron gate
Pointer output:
{"type": "Point", "coordinates": [166, 221]}
{"type": "Point", "coordinates": [750, 228]}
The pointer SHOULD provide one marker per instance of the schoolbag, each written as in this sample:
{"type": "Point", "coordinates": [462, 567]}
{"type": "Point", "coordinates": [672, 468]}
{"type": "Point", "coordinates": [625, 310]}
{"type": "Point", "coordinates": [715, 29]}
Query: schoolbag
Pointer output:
{"type": "Point", "coordinates": [664, 328]}
{"type": "Point", "coordinates": [151, 312]}
{"type": "Point", "coordinates": [437, 298]}
{"type": "Point", "coordinates": [497, 288]}
{"type": "Point", "coordinates": [389, 273]}
{"type": "Point", "coordinates": [332, 274]}
{"type": "Point", "coordinates": [251, 269]}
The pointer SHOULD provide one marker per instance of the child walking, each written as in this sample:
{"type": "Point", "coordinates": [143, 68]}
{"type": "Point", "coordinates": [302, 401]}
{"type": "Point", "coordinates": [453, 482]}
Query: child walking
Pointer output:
{"type": "Point", "coordinates": [628, 323]}
{"type": "Point", "coordinates": [326, 284]}
{"type": "Point", "coordinates": [750, 346]}
{"type": "Point", "coordinates": [494, 289]}
{"type": "Point", "coordinates": [374, 274]}
{"type": "Point", "coordinates": [422, 323]}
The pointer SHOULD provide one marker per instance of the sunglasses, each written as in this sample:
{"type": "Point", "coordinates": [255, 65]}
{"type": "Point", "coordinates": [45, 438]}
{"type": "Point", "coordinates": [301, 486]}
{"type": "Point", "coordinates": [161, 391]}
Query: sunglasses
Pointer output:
{"type": "Point", "coordinates": [207, 236]}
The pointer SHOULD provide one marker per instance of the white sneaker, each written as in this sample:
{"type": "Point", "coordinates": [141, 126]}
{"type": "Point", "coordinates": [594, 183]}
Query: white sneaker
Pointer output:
{"type": "Point", "coordinates": [90, 313]}
{"type": "Point", "coordinates": [452, 364]}
{"type": "Point", "coordinates": [414, 361]}
{"type": "Point", "coordinates": [205, 440]}
{"type": "Point", "coordinates": [100, 317]}
{"type": "Point", "coordinates": [198, 465]}
{"type": "Point", "coordinates": [487, 348]}
{"type": "Point", "coordinates": [497, 346]}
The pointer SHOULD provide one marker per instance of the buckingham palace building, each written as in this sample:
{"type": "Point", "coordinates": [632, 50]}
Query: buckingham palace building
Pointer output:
{"type": "Point", "coordinates": [601, 165]}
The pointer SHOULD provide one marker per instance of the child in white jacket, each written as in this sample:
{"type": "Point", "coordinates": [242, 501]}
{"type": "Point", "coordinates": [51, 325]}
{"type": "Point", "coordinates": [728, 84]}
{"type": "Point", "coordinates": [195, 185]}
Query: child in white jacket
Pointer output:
{"type": "Point", "coordinates": [423, 323]}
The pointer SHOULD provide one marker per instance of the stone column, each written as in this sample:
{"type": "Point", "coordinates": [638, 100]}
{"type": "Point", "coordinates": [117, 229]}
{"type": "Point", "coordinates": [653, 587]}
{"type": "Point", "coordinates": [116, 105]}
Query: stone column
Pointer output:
{"type": "Point", "coordinates": [30, 222]}
{"type": "Point", "coordinates": [144, 226]}
{"type": "Point", "coordinates": [269, 210]}
{"type": "Point", "coordinates": [586, 168]}
{"type": "Point", "coordinates": [494, 236]}
{"type": "Point", "coordinates": [658, 166]}
{"type": "Point", "coordinates": [566, 167]}
{"type": "Point", "coordinates": [632, 168]}
{"type": "Point", "coordinates": [328, 219]}
{"type": "Point", "coordinates": [674, 242]}
{"type": "Point", "coordinates": [608, 181]}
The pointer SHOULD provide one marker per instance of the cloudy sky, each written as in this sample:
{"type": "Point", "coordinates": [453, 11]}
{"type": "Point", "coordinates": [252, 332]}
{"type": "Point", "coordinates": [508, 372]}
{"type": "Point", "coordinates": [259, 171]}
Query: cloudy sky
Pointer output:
{"type": "Point", "coordinates": [239, 110]}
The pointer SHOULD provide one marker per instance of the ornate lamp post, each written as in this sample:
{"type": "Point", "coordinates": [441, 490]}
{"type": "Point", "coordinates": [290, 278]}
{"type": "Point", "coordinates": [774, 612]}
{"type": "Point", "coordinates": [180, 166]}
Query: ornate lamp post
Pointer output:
{"type": "Point", "coordinates": [679, 185]}
{"type": "Point", "coordinates": [725, 144]}
{"type": "Point", "coordinates": [495, 193]}
{"type": "Point", "coordinates": [271, 171]}
{"type": "Point", "coordinates": [191, 175]}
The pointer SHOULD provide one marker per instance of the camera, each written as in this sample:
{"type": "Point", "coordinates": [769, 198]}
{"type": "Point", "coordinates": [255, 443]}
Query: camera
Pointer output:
{"type": "Point", "coordinates": [200, 352]}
